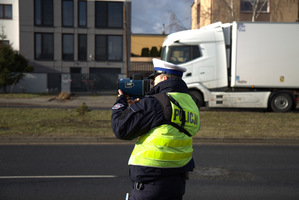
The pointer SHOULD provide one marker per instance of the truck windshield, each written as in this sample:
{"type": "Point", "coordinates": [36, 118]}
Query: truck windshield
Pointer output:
{"type": "Point", "coordinates": [180, 54]}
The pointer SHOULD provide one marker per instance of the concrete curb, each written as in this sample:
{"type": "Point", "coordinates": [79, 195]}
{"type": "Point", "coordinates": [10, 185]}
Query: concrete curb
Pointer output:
{"type": "Point", "coordinates": [278, 141]}
{"type": "Point", "coordinates": [60, 140]}
{"type": "Point", "coordinates": [109, 140]}
{"type": "Point", "coordinates": [95, 102]}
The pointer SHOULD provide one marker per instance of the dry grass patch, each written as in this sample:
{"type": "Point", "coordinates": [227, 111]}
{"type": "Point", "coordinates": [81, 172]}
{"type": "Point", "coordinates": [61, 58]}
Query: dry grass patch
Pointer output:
{"type": "Point", "coordinates": [16, 122]}
{"type": "Point", "coordinates": [249, 125]}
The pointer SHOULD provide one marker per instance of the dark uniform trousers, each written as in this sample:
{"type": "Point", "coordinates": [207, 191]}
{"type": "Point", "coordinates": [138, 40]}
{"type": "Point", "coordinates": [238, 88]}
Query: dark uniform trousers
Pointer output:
{"type": "Point", "coordinates": [163, 188]}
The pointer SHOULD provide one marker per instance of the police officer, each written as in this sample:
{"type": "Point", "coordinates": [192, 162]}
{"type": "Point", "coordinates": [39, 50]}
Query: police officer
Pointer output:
{"type": "Point", "coordinates": [164, 122]}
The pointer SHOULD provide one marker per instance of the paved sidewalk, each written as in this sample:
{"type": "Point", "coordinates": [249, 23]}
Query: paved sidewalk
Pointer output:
{"type": "Point", "coordinates": [96, 102]}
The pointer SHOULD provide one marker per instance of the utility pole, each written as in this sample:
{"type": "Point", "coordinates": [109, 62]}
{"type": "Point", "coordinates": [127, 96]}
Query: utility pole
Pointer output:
{"type": "Point", "coordinates": [125, 35]}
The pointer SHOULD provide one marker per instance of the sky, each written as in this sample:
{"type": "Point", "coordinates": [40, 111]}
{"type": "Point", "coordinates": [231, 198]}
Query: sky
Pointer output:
{"type": "Point", "coordinates": [148, 16]}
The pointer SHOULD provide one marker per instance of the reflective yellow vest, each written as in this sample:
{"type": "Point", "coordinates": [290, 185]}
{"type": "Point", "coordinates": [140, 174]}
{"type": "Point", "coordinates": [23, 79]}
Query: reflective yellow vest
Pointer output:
{"type": "Point", "coordinates": [166, 146]}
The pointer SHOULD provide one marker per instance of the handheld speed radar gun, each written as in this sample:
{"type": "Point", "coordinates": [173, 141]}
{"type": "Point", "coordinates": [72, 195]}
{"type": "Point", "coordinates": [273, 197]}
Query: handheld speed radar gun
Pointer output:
{"type": "Point", "coordinates": [135, 86]}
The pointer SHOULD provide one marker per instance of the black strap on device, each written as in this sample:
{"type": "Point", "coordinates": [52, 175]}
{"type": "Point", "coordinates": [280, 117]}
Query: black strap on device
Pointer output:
{"type": "Point", "coordinates": [165, 99]}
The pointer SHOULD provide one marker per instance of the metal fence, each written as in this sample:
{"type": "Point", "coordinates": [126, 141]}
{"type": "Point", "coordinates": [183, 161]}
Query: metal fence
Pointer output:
{"type": "Point", "coordinates": [93, 83]}
{"type": "Point", "coordinates": [98, 81]}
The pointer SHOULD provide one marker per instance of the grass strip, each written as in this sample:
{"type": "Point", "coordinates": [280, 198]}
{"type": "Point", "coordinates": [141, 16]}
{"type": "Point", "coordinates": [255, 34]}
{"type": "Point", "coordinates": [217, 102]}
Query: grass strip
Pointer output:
{"type": "Point", "coordinates": [45, 122]}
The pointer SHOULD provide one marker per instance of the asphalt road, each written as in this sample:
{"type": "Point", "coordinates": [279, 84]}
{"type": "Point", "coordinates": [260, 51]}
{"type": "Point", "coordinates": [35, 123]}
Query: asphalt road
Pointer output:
{"type": "Point", "coordinates": [88, 172]}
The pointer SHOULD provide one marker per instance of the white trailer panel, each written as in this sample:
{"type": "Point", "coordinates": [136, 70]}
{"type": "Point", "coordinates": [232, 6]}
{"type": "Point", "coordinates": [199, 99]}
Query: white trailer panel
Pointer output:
{"type": "Point", "coordinates": [265, 55]}
{"type": "Point", "coordinates": [239, 99]}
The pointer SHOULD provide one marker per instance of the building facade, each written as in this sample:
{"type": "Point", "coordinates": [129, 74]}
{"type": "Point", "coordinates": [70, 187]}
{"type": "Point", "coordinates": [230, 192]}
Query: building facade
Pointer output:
{"type": "Point", "coordinates": [75, 37]}
{"type": "Point", "coordinates": [205, 12]}
{"type": "Point", "coordinates": [139, 42]}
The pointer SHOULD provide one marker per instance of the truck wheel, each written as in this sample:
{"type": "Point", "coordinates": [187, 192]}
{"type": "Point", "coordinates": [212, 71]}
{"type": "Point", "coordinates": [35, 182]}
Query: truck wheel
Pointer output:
{"type": "Point", "coordinates": [197, 97]}
{"type": "Point", "coordinates": [282, 102]}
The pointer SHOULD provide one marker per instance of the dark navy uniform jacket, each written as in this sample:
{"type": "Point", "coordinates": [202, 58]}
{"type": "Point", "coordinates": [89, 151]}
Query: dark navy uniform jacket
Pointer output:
{"type": "Point", "coordinates": [129, 122]}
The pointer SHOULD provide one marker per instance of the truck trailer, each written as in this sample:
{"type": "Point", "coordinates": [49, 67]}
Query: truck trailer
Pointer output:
{"type": "Point", "coordinates": [239, 64]}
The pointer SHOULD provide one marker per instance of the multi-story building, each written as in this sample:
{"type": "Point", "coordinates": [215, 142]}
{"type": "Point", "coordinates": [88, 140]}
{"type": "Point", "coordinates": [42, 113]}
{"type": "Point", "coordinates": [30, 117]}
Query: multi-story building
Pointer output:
{"type": "Point", "coordinates": [90, 37]}
{"type": "Point", "coordinates": [206, 12]}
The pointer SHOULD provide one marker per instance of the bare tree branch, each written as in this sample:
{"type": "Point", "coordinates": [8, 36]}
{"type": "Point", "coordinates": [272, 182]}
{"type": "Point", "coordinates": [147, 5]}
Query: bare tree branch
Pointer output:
{"type": "Point", "coordinates": [230, 6]}
{"type": "Point", "coordinates": [260, 10]}
{"type": "Point", "coordinates": [256, 10]}
{"type": "Point", "coordinates": [2, 34]}
{"type": "Point", "coordinates": [254, 4]}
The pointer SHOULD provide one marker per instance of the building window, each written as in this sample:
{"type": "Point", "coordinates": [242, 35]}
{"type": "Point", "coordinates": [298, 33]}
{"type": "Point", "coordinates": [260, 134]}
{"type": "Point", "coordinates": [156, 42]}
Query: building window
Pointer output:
{"type": "Point", "coordinates": [68, 13]}
{"type": "Point", "coordinates": [109, 14]}
{"type": "Point", "coordinates": [75, 70]}
{"type": "Point", "coordinates": [82, 47]}
{"type": "Point", "coordinates": [67, 47]}
{"type": "Point", "coordinates": [246, 6]}
{"type": "Point", "coordinates": [44, 46]}
{"type": "Point", "coordinates": [5, 11]}
{"type": "Point", "coordinates": [4, 42]}
{"type": "Point", "coordinates": [43, 12]}
{"type": "Point", "coordinates": [100, 48]}
{"type": "Point", "coordinates": [115, 48]}
{"type": "Point", "coordinates": [108, 48]}
{"type": "Point", "coordinates": [82, 13]}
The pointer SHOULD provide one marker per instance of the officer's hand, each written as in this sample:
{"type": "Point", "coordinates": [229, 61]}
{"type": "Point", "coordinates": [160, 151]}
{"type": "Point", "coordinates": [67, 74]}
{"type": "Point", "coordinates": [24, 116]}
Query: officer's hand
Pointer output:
{"type": "Point", "coordinates": [132, 101]}
{"type": "Point", "coordinates": [120, 93]}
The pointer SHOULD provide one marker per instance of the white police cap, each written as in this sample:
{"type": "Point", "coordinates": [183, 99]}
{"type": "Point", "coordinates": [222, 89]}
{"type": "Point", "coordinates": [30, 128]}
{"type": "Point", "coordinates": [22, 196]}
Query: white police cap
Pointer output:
{"type": "Point", "coordinates": [163, 67]}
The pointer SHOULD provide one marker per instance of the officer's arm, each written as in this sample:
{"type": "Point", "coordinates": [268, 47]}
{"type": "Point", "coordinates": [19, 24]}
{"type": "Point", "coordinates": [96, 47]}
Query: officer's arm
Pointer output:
{"type": "Point", "coordinates": [129, 122]}
{"type": "Point", "coordinates": [118, 109]}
